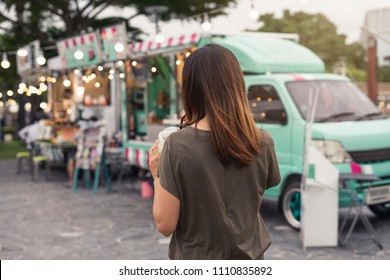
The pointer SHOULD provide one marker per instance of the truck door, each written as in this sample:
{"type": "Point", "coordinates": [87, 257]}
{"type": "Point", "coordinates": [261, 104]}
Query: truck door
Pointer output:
{"type": "Point", "coordinates": [270, 115]}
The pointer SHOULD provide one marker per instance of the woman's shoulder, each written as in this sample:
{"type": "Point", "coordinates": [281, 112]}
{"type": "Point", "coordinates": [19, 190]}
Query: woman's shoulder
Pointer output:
{"type": "Point", "coordinates": [179, 136]}
{"type": "Point", "coordinates": [266, 138]}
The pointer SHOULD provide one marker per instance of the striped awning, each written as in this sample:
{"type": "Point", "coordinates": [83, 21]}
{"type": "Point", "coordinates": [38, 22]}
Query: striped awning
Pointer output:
{"type": "Point", "coordinates": [170, 42]}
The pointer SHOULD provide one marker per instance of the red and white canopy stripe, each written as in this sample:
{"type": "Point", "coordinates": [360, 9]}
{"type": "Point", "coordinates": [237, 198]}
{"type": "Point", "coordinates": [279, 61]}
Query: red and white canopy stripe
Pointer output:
{"type": "Point", "coordinates": [77, 41]}
{"type": "Point", "coordinates": [150, 45]}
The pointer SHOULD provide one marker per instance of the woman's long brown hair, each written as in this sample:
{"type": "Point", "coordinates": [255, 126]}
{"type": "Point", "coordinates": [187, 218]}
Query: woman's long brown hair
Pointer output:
{"type": "Point", "coordinates": [213, 86]}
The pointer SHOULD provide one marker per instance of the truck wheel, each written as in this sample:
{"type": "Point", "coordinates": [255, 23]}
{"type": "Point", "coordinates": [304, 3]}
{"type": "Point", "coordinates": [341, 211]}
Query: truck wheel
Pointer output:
{"type": "Point", "coordinates": [381, 209]}
{"type": "Point", "coordinates": [291, 204]}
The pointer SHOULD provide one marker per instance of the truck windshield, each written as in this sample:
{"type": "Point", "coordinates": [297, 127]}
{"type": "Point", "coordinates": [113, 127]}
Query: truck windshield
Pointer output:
{"type": "Point", "coordinates": [337, 101]}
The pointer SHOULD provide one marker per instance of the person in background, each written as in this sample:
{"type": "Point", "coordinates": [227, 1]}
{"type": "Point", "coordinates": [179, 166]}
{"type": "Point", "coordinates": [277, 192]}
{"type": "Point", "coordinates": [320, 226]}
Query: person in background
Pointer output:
{"type": "Point", "coordinates": [211, 175]}
{"type": "Point", "coordinates": [34, 131]}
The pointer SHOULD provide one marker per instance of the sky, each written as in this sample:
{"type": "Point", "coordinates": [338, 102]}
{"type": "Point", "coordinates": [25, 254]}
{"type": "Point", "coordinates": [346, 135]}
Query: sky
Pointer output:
{"type": "Point", "coordinates": [347, 15]}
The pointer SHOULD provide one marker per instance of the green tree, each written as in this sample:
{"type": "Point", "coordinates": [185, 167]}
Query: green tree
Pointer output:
{"type": "Point", "coordinates": [384, 74]}
{"type": "Point", "coordinates": [319, 34]}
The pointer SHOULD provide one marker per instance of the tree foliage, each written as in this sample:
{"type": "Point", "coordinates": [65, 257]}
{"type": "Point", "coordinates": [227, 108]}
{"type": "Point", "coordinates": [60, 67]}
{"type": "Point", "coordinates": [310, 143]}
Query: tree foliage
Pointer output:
{"type": "Point", "coordinates": [317, 33]}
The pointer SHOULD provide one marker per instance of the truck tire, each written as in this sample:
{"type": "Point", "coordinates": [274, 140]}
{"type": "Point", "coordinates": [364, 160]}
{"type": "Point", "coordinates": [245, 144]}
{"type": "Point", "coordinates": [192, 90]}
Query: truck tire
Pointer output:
{"type": "Point", "coordinates": [381, 209]}
{"type": "Point", "coordinates": [291, 204]}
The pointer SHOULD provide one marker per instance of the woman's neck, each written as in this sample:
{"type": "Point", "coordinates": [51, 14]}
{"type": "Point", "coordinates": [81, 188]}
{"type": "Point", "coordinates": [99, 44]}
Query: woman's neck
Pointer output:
{"type": "Point", "coordinates": [203, 124]}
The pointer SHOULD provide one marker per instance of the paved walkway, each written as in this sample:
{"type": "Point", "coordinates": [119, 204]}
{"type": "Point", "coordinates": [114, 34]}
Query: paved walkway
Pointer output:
{"type": "Point", "coordinates": [45, 220]}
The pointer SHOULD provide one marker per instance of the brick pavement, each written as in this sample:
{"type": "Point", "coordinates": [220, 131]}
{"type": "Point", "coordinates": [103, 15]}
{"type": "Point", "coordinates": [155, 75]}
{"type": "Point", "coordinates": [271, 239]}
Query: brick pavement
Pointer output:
{"type": "Point", "coordinates": [45, 220]}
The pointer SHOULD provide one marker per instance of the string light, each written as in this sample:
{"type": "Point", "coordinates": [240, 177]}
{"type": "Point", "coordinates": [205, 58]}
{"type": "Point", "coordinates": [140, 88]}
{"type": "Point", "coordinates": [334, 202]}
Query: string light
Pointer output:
{"type": "Point", "coordinates": [5, 63]}
{"type": "Point", "coordinates": [27, 107]}
{"type": "Point", "coordinates": [32, 89]}
{"type": "Point", "coordinates": [66, 82]}
{"type": "Point", "coordinates": [22, 85]}
{"type": "Point", "coordinates": [159, 37]}
{"type": "Point", "coordinates": [22, 52]}
{"type": "Point", "coordinates": [253, 13]}
{"type": "Point", "coordinates": [119, 47]}
{"type": "Point", "coordinates": [43, 87]}
{"type": "Point", "coordinates": [43, 105]}
{"type": "Point", "coordinates": [78, 54]}
{"type": "Point", "coordinates": [206, 25]}
{"type": "Point", "coordinates": [41, 60]}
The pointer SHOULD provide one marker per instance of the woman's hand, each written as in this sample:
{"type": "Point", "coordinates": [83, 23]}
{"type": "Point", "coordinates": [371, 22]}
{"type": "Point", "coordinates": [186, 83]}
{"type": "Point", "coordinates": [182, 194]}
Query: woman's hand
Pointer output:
{"type": "Point", "coordinates": [154, 159]}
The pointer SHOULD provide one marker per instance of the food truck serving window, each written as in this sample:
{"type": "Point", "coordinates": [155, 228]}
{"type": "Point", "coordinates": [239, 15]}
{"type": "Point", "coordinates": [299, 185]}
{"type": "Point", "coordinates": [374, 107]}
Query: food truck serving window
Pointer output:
{"type": "Point", "coordinates": [97, 92]}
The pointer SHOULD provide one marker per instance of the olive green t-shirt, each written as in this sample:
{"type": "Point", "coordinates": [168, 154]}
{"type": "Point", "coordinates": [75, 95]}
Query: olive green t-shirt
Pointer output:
{"type": "Point", "coordinates": [219, 207]}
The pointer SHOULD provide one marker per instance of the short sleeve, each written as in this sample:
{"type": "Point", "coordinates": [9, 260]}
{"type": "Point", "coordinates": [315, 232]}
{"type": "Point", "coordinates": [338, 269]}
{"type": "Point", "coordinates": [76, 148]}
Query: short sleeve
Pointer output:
{"type": "Point", "coordinates": [273, 177]}
{"type": "Point", "coordinates": [166, 170]}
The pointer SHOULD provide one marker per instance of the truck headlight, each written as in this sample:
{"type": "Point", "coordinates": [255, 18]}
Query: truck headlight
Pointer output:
{"type": "Point", "coordinates": [332, 150]}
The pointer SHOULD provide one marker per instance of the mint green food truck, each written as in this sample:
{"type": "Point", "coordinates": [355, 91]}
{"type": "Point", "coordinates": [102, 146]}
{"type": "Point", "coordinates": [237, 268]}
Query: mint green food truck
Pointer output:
{"type": "Point", "coordinates": [280, 74]}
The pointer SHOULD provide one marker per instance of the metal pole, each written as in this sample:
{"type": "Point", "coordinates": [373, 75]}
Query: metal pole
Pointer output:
{"type": "Point", "coordinates": [372, 70]}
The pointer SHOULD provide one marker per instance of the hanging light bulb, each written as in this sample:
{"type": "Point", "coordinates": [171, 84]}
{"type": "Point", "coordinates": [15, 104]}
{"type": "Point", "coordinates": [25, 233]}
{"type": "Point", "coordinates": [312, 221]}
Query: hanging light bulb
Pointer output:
{"type": "Point", "coordinates": [206, 25]}
{"type": "Point", "coordinates": [119, 47]}
{"type": "Point", "coordinates": [32, 89]}
{"type": "Point", "coordinates": [253, 13]}
{"type": "Point", "coordinates": [66, 82]}
{"type": "Point", "coordinates": [43, 87]}
{"type": "Point", "coordinates": [78, 54]}
{"type": "Point", "coordinates": [22, 85]}
{"type": "Point", "coordinates": [5, 63]}
{"type": "Point", "coordinates": [43, 105]}
{"type": "Point", "coordinates": [22, 52]}
{"type": "Point", "coordinates": [41, 60]}
{"type": "Point", "coordinates": [159, 37]}
{"type": "Point", "coordinates": [27, 107]}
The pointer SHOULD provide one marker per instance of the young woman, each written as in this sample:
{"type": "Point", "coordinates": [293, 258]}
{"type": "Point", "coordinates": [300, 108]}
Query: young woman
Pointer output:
{"type": "Point", "coordinates": [210, 178]}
